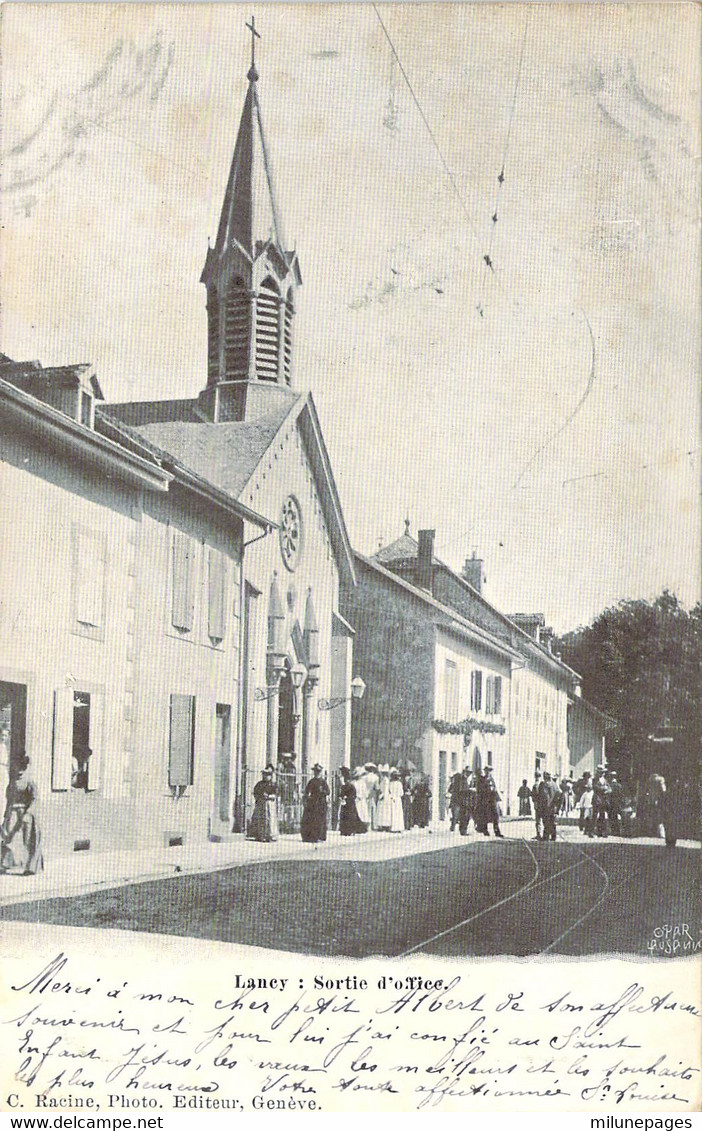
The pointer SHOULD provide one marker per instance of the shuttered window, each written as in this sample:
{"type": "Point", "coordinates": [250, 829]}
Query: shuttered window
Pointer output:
{"type": "Point", "coordinates": [451, 692]}
{"type": "Point", "coordinates": [238, 331]}
{"type": "Point", "coordinates": [217, 596]}
{"type": "Point", "coordinates": [89, 577]}
{"type": "Point", "coordinates": [183, 603]}
{"type": "Point", "coordinates": [267, 332]}
{"type": "Point", "coordinates": [181, 741]}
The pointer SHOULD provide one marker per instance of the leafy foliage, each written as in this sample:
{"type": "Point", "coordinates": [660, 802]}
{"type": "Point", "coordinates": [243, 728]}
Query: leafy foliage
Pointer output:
{"type": "Point", "coordinates": [641, 663]}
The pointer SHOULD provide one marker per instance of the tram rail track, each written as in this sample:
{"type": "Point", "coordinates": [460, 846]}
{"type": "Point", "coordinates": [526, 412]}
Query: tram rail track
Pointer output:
{"type": "Point", "coordinates": [533, 884]}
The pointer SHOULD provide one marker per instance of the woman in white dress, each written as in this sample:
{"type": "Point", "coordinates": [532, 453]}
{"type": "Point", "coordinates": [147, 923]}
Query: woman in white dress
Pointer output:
{"type": "Point", "coordinates": [383, 812]}
{"type": "Point", "coordinates": [372, 781]}
{"type": "Point", "coordinates": [396, 791]}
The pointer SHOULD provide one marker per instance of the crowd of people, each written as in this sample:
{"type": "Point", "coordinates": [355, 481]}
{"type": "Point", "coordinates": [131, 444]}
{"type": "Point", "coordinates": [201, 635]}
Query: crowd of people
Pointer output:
{"type": "Point", "coordinates": [374, 797]}
{"type": "Point", "coordinates": [599, 801]}
{"type": "Point", "coordinates": [474, 796]}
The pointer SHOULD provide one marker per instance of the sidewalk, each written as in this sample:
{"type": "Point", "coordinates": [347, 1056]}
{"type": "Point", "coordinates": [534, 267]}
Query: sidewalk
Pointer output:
{"type": "Point", "coordinates": [82, 872]}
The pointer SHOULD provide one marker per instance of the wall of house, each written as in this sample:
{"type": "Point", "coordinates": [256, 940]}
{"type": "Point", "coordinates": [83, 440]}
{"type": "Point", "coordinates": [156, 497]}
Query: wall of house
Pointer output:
{"type": "Point", "coordinates": [539, 714]}
{"type": "Point", "coordinates": [73, 537]}
{"type": "Point", "coordinates": [586, 740]}
{"type": "Point", "coordinates": [394, 654]}
{"type": "Point", "coordinates": [173, 661]}
{"type": "Point", "coordinates": [285, 471]}
{"type": "Point", "coordinates": [456, 661]}
{"type": "Point", "coordinates": [46, 507]}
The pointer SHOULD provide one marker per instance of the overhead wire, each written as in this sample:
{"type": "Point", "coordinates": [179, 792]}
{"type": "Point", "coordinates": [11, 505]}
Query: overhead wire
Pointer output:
{"type": "Point", "coordinates": [427, 125]}
{"type": "Point", "coordinates": [489, 261]}
{"type": "Point", "coordinates": [546, 444]}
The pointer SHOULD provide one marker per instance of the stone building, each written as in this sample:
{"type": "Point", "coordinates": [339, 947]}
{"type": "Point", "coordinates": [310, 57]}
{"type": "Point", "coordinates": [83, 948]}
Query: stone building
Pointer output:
{"type": "Point", "coordinates": [434, 654]}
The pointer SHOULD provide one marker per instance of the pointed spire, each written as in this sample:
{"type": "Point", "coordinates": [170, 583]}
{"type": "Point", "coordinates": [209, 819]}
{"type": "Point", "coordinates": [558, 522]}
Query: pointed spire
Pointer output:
{"type": "Point", "coordinates": [250, 212]}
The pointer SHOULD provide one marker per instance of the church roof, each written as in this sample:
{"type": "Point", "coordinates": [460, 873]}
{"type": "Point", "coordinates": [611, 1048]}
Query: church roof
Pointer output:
{"type": "Point", "coordinates": [225, 454]}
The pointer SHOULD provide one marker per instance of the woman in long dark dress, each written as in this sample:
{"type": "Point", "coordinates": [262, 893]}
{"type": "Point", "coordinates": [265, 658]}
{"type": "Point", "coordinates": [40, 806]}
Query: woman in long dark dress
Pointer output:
{"type": "Point", "coordinates": [349, 820]}
{"type": "Point", "coordinates": [21, 838]}
{"type": "Point", "coordinates": [313, 826]}
{"type": "Point", "coordinates": [421, 802]}
{"type": "Point", "coordinates": [264, 822]}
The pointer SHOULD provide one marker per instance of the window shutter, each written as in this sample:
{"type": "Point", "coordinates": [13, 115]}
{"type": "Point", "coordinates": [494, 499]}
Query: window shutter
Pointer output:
{"type": "Point", "coordinates": [62, 754]}
{"type": "Point", "coordinates": [89, 577]}
{"type": "Point", "coordinates": [96, 738]}
{"type": "Point", "coordinates": [478, 690]}
{"type": "Point", "coordinates": [180, 753]}
{"type": "Point", "coordinates": [183, 609]}
{"type": "Point", "coordinates": [498, 695]}
{"type": "Point", "coordinates": [217, 609]}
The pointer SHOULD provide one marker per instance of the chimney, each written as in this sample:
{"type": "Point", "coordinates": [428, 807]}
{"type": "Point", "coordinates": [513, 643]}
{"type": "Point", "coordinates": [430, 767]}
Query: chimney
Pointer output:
{"type": "Point", "coordinates": [473, 572]}
{"type": "Point", "coordinates": [425, 553]}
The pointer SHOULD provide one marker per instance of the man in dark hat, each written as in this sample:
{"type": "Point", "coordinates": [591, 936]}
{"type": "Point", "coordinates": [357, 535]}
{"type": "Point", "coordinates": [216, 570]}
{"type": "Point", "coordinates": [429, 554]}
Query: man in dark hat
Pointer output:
{"type": "Point", "coordinates": [457, 792]}
{"type": "Point", "coordinates": [548, 802]}
{"type": "Point", "coordinates": [488, 803]}
{"type": "Point", "coordinates": [537, 812]}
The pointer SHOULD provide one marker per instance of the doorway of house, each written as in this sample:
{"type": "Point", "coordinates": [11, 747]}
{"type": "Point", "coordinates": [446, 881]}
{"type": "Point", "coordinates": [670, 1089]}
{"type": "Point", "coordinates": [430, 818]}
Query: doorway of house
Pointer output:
{"type": "Point", "coordinates": [13, 728]}
{"type": "Point", "coordinates": [222, 764]}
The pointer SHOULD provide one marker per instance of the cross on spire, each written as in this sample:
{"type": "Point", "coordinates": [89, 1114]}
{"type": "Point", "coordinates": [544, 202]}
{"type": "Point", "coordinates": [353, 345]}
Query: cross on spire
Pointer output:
{"type": "Point", "coordinates": [253, 73]}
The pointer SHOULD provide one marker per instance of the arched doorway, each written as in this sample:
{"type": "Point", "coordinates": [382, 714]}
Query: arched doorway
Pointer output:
{"type": "Point", "coordinates": [286, 713]}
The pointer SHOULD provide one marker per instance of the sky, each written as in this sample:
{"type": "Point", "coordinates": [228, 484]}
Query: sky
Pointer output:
{"type": "Point", "coordinates": [543, 410]}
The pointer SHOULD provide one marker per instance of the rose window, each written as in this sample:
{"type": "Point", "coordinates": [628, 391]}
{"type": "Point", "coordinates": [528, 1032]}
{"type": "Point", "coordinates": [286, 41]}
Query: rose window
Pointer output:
{"type": "Point", "coordinates": [290, 533]}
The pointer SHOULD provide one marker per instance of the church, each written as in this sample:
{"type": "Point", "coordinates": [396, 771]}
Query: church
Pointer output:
{"type": "Point", "coordinates": [255, 434]}
{"type": "Point", "coordinates": [169, 614]}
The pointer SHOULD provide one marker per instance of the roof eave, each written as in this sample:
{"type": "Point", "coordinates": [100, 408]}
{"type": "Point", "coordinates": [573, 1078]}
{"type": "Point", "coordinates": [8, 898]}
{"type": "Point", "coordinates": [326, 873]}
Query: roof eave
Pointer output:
{"type": "Point", "coordinates": [452, 622]}
{"type": "Point", "coordinates": [41, 418]}
{"type": "Point", "coordinates": [339, 535]}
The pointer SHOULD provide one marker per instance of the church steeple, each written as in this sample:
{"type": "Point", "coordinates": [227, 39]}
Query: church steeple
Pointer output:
{"type": "Point", "coordinates": [251, 279]}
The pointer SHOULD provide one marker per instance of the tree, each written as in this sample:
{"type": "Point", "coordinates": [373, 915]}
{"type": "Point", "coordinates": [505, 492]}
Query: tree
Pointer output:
{"type": "Point", "coordinates": [641, 663]}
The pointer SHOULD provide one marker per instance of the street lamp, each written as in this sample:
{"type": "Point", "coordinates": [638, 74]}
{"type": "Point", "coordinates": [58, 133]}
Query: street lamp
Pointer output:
{"type": "Point", "coordinates": [298, 675]}
{"type": "Point", "coordinates": [357, 689]}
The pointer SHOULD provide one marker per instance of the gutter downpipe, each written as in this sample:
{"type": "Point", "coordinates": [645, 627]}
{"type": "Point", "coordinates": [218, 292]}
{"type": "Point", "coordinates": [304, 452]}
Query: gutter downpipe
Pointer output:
{"type": "Point", "coordinates": [240, 799]}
